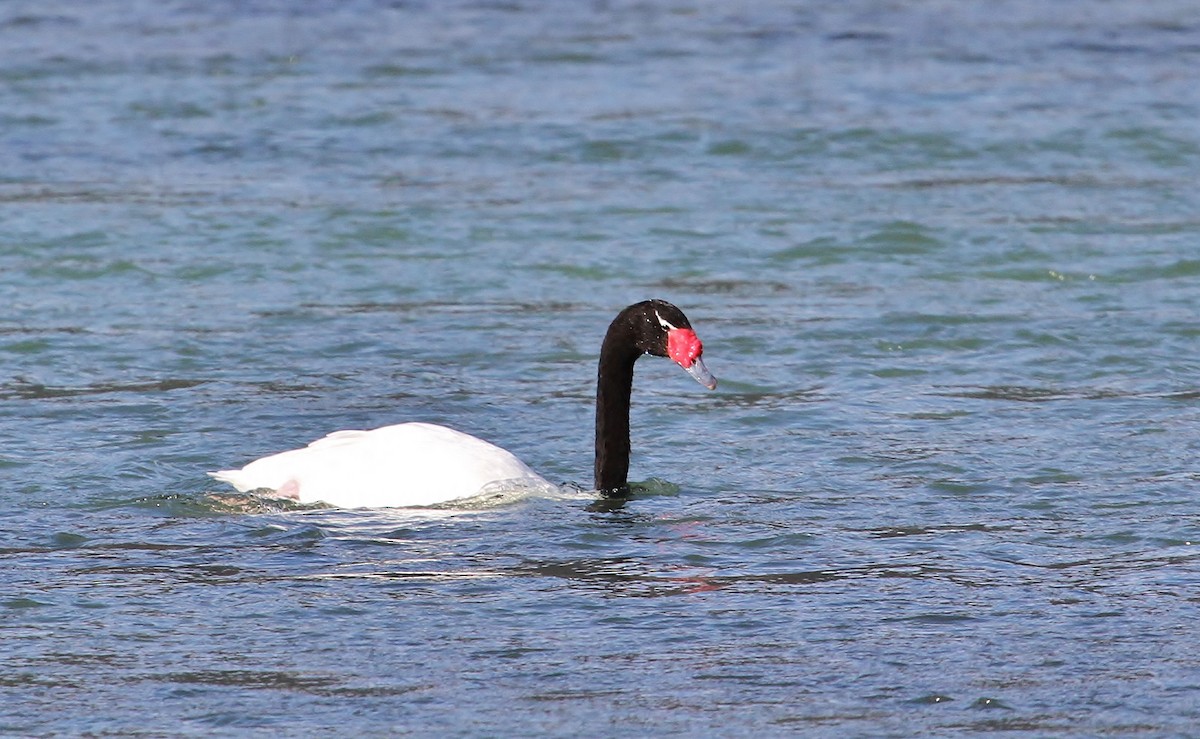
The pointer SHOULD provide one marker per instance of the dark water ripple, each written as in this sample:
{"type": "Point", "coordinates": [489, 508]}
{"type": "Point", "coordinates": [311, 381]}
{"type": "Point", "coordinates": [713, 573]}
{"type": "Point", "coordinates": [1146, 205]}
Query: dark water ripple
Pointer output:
{"type": "Point", "coordinates": [942, 258]}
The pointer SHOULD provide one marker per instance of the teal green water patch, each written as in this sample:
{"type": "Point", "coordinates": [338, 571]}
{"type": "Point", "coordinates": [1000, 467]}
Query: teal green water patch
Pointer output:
{"type": "Point", "coordinates": [21, 604]}
{"type": "Point", "coordinates": [87, 268]}
{"type": "Point", "coordinates": [723, 286]}
{"type": "Point", "coordinates": [218, 147]}
{"type": "Point", "coordinates": [1103, 226]}
{"type": "Point", "coordinates": [903, 237]}
{"type": "Point", "coordinates": [251, 679]}
{"type": "Point", "coordinates": [64, 67]}
{"type": "Point", "coordinates": [821, 250]}
{"type": "Point", "coordinates": [897, 372]}
{"type": "Point", "coordinates": [29, 390]}
{"type": "Point", "coordinates": [933, 322]}
{"type": "Point", "coordinates": [1035, 274]}
{"type": "Point", "coordinates": [67, 540]}
{"type": "Point", "coordinates": [169, 110]}
{"type": "Point", "coordinates": [204, 272]}
{"type": "Point", "coordinates": [363, 120]}
{"type": "Point", "coordinates": [390, 71]}
{"type": "Point", "coordinates": [577, 271]}
{"type": "Point", "coordinates": [81, 242]}
{"type": "Point", "coordinates": [29, 120]}
{"type": "Point", "coordinates": [645, 211]}
{"type": "Point", "coordinates": [898, 149]}
{"type": "Point", "coordinates": [1157, 147]}
{"type": "Point", "coordinates": [564, 57]}
{"type": "Point", "coordinates": [731, 147]}
{"type": "Point", "coordinates": [27, 346]}
{"type": "Point", "coordinates": [608, 150]}
{"type": "Point", "coordinates": [374, 235]}
{"type": "Point", "coordinates": [685, 233]}
{"type": "Point", "coordinates": [202, 505]}
{"type": "Point", "coordinates": [932, 699]}
{"type": "Point", "coordinates": [1167, 270]}
{"type": "Point", "coordinates": [654, 487]}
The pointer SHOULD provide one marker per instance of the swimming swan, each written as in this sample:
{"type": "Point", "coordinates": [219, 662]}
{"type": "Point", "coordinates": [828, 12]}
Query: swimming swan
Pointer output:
{"type": "Point", "coordinates": [421, 464]}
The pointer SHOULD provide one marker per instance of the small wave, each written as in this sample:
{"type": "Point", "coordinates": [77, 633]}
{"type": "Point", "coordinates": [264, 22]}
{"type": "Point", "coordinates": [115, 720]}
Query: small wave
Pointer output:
{"type": "Point", "coordinates": [1029, 394]}
{"type": "Point", "coordinates": [21, 389]}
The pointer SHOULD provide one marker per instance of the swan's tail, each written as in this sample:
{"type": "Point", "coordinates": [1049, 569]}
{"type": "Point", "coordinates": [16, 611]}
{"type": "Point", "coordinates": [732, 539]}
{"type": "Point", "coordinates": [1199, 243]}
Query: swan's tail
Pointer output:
{"type": "Point", "coordinates": [289, 490]}
{"type": "Point", "coordinates": [231, 477]}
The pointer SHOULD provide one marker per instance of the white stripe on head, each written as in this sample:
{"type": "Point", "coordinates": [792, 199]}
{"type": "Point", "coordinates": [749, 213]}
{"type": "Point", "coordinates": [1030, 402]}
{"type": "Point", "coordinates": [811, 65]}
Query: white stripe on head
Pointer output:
{"type": "Point", "coordinates": [663, 322]}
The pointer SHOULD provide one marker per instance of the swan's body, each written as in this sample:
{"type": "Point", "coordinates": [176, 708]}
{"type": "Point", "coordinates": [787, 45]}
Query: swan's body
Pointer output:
{"type": "Point", "coordinates": [409, 464]}
{"type": "Point", "coordinates": [420, 464]}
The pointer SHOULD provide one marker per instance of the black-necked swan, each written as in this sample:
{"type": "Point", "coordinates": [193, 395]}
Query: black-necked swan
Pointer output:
{"type": "Point", "coordinates": [421, 464]}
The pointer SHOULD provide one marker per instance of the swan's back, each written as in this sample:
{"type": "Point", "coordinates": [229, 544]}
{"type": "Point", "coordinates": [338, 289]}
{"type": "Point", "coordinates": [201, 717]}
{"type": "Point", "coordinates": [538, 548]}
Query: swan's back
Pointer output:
{"type": "Point", "coordinates": [409, 464]}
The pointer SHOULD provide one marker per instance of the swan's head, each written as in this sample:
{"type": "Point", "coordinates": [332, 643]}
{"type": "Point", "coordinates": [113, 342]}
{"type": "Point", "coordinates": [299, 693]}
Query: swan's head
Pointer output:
{"type": "Point", "coordinates": [666, 332]}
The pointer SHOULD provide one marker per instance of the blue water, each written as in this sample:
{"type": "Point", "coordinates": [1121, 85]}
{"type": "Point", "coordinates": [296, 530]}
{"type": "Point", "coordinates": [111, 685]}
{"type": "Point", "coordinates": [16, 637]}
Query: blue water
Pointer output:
{"type": "Point", "coordinates": [943, 257]}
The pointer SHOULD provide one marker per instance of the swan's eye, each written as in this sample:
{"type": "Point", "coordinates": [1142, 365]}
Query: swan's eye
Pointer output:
{"type": "Point", "coordinates": [664, 323]}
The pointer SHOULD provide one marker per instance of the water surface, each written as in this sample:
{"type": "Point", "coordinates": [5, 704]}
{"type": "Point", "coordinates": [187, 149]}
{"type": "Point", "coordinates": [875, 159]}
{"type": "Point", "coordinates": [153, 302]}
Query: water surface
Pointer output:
{"type": "Point", "coordinates": [943, 259]}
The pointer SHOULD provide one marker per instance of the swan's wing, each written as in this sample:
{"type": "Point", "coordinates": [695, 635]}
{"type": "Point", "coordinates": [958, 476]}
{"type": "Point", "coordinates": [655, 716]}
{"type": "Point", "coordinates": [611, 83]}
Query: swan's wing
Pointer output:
{"type": "Point", "coordinates": [340, 438]}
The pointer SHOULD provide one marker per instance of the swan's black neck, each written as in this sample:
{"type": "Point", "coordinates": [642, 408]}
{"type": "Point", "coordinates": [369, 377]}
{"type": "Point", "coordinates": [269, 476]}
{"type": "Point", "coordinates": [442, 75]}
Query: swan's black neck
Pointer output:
{"type": "Point", "coordinates": [613, 388]}
{"type": "Point", "coordinates": [635, 331]}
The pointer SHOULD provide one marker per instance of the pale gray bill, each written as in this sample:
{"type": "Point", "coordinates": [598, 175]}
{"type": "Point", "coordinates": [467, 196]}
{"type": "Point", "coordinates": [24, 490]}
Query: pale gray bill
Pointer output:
{"type": "Point", "coordinates": [701, 374]}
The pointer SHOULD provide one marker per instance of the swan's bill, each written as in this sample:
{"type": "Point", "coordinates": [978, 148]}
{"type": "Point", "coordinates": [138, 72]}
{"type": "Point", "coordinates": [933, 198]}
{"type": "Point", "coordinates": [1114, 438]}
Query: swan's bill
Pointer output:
{"type": "Point", "coordinates": [701, 374]}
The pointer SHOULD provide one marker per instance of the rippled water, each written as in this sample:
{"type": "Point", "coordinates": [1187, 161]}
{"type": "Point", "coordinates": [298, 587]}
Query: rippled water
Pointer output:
{"type": "Point", "coordinates": [943, 256]}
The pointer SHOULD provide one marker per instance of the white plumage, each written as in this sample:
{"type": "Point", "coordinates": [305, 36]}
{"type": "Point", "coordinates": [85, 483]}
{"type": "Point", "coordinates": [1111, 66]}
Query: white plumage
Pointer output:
{"type": "Point", "coordinates": [409, 464]}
